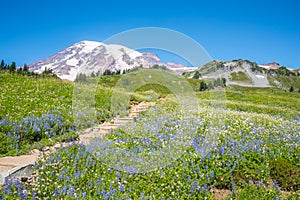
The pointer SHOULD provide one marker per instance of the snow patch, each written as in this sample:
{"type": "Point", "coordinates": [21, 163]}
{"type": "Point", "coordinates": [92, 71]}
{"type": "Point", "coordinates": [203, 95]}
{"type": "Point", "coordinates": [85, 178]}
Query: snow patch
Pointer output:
{"type": "Point", "coordinates": [90, 45]}
{"type": "Point", "coordinates": [264, 66]}
{"type": "Point", "coordinates": [72, 62]}
{"type": "Point", "coordinates": [260, 76]}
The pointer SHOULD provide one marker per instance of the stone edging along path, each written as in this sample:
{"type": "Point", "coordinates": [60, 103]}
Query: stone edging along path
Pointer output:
{"type": "Point", "coordinates": [21, 166]}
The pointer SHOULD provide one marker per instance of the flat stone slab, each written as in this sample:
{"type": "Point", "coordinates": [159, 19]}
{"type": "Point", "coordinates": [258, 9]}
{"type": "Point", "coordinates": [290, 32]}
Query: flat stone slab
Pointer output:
{"type": "Point", "coordinates": [20, 172]}
{"type": "Point", "coordinates": [18, 160]}
{"type": "Point", "coordinates": [4, 168]}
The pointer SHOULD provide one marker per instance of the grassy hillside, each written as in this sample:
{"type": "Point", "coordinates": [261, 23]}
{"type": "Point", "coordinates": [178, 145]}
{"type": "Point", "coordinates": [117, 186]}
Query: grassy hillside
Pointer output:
{"type": "Point", "coordinates": [240, 77]}
{"type": "Point", "coordinates": [23, 96]}
{"type": "Point", "coordinates": [273, 101]}
{"type": "Point", "coordinates": [285, 81]}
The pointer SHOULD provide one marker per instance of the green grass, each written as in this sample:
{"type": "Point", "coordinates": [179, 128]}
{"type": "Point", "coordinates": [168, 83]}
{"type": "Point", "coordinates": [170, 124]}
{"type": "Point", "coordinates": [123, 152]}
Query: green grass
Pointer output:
{"type": "Point", "coordinates": [195, 83]}
{"type": "Point", "coordinates": [272, 101]}
{"type": "Point", "coordinates": [240, 77]}
{"type": "Point", "coordinates": [108, 80]}
{"type": "Point", "coordinates": [24, 96]}
{"type": "Point", "coordinates": [156, 88]}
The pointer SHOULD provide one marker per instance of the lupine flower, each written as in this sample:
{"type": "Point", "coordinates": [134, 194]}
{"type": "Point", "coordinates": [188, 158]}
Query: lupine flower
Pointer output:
{"type": "Point", "coordinates": [277, 186]}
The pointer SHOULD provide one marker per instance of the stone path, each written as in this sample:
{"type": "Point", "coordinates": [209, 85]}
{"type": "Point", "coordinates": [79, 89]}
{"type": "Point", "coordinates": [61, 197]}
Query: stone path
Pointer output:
{"type": "Point", "coordinates": [115, 123]}
{"type": "Point", "coordinates": [9, 164]}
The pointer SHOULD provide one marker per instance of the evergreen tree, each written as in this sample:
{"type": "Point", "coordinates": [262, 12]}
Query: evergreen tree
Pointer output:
{"type": "Point", "coordinates": [19, 71]}
{"type": "Point", "coordinates": [25, 68]}
{"type": "Point", "coordinates": [107, 72]}
{"type": "Point", "coordinates": [47, 71]}
{"type": "Point", "coordinates": [197, 75]}
{"type": "Point", "coordinates": [12, 67]}
{"type": "Point", "coordinates": [224, 81]}
{"type": "Point", "coordinates": [203, 86]}
{"type": "Point", "coordinates": [2, 65]}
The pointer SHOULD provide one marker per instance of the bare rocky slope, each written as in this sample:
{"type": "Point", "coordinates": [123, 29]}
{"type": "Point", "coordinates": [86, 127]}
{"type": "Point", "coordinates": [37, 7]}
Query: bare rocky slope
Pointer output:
{"type": "Point", "coordinates": [252, 74]}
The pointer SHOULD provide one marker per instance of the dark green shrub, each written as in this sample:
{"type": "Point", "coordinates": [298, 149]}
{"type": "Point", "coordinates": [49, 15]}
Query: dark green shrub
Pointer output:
{"type": "Point", "coordinates": [285, 174]}
{"type": "Point", "coordinates": [251, 166]}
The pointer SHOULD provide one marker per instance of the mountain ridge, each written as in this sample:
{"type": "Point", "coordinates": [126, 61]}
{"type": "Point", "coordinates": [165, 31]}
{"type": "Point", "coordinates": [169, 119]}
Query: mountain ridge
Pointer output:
{"type": "Point", "coordinates": [247, 73]}
{"type": "Point", "coordinates": [91, 57]}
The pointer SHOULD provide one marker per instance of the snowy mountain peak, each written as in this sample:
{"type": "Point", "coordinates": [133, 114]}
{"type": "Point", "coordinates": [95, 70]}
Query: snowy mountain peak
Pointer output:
{"type": "Point", "coordinates": [89, 42]}
{"type": "Point", "coordinates": [89, 57]}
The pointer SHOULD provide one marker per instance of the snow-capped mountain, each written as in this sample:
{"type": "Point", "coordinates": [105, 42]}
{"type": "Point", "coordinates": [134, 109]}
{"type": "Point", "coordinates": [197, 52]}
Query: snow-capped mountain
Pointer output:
{"type": "Point", "coordinates": [89, 56]}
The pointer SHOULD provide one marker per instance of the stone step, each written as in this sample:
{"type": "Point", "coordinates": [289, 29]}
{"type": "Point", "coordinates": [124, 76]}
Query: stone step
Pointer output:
{"type": "Point", "coordinates": [124, 118]}
{"type": "Point", "coordinates": [110, 128]}
{"type": "Point", "coordinates": [120, 122]}
{"type": "Point", "coordinates": [138, 110]}
{"type": "Point", "coordinates": [134, 114]}
{"type": "Point", "coordinates": [141, 107]}
{"type": "Point", "coordinates": [112, 125]}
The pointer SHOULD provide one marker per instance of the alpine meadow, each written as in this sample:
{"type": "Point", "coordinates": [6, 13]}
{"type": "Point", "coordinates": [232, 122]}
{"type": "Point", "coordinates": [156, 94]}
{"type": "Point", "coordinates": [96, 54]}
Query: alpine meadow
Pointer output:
{"type": "Point", "coordinates": [242, 145]}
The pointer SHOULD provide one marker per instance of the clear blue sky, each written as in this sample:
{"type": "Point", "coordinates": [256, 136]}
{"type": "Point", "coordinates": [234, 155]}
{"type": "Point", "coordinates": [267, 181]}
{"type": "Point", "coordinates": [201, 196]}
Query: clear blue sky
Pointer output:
{"type": "Point", "coordinates": [261, 31]}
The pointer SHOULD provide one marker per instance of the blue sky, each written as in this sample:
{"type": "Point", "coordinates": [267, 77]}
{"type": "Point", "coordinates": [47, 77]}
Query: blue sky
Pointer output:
{"type": "Point", "coordinates": [261, 31]}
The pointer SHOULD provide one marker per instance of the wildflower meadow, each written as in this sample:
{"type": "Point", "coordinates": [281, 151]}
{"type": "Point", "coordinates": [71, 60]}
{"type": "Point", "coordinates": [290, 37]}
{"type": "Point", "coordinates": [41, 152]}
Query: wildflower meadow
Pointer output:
{"type": "Point", "coordinates": [253, 153]}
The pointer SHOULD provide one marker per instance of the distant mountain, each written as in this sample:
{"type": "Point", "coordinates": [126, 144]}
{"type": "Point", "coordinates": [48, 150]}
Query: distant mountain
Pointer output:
{"type": "Point", "coordinates": [273, 65]}
{"type": "Point", "coordinates": [247, 73]}
{"type": "Point", "coordinates": [89, 57]}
